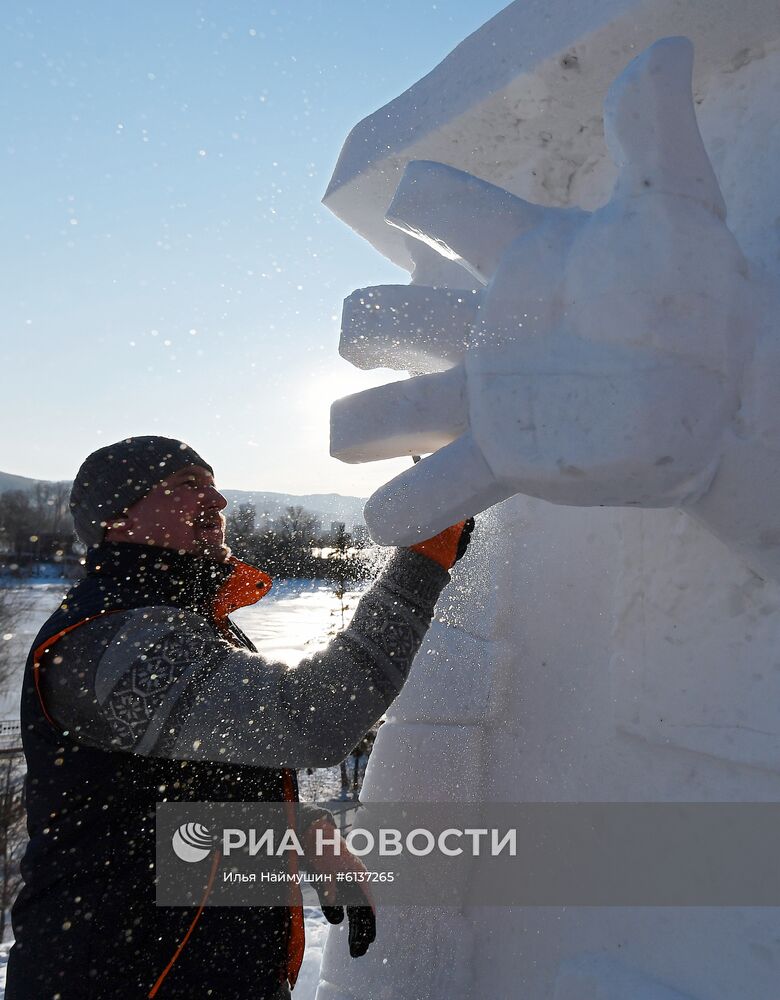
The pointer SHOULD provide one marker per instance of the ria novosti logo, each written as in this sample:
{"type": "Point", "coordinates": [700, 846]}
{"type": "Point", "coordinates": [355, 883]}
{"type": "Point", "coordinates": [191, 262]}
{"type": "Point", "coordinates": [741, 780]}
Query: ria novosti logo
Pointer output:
{"type": "Point", "coordinates": [192, 842]}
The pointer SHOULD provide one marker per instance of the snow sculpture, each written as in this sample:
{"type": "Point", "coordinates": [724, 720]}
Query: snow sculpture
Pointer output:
{"type": "Point", "coordinates": [588, 332]}
{"type": "Point", "coordinates": [604, 362]}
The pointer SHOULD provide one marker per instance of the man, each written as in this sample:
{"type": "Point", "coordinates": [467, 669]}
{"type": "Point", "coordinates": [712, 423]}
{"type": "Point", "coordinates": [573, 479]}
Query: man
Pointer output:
{"type": "Point", "coordinates": [140, 689]}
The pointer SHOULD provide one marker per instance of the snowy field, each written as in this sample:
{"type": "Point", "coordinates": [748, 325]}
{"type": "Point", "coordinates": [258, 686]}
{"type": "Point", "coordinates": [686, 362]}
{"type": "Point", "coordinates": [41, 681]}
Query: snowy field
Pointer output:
{"type": "Point", "coordinates": [295, 620]}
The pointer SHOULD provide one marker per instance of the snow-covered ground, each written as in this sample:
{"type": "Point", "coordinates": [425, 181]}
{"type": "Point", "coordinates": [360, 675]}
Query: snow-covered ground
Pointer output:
{"type": "Point", "coordinates": [31, 606]}
{"type": "Point", "coordinates": [296, 619]}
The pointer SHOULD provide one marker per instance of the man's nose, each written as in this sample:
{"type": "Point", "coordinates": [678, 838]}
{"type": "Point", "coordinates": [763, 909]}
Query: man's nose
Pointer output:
{"type": "Point", "coordinates": [214, 498]}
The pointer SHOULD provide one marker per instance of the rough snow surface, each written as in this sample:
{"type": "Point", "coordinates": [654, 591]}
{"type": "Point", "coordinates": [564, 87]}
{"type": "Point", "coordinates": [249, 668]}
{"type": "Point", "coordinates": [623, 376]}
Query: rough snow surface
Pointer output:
{"type": "Point", "coordinates": [629, 655]}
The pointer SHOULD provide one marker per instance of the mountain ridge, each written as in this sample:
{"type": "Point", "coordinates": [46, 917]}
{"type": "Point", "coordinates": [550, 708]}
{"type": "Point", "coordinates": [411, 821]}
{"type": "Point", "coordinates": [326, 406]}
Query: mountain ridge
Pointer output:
{"type": "Point", "coordinates": [327, 506]}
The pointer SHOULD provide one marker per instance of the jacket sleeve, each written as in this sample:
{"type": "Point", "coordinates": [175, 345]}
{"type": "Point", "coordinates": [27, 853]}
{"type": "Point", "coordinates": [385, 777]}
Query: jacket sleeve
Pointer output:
{"type": "Point", "coordinates": [166, 685]}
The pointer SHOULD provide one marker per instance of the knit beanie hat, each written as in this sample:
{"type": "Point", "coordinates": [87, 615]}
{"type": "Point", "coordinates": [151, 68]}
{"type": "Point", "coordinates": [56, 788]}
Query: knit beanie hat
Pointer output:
{"type": "Point", "coordinates": [111, 479]}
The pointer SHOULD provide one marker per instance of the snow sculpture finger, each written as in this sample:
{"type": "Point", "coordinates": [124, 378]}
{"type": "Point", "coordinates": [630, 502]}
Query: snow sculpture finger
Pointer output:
{"type": "Point", "coordinates": [460, 216]}
{"type": "Point", "coordinates": [603, 358]}
{"type": "Point", "coordinates": [418, 415]}
{"type": "Point", "coordinates": [406, 327]}
{"type": "Point", "coordinates": [436, 490]}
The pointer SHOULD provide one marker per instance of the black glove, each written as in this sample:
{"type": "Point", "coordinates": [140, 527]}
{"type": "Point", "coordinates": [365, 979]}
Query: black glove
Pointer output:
{"type": "Point", "coordinates": [362, 922]}
{"type": "Point", "coordinates": [465, 538]}
{"type": "Point", "coordinates": [362, 926]}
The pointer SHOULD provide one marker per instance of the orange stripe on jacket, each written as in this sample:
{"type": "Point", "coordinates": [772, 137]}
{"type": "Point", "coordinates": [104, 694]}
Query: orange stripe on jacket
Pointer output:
{"type": "Point", "coordinates": [44, 648]}
{"type": "Point", "coordinates": [296, 943]}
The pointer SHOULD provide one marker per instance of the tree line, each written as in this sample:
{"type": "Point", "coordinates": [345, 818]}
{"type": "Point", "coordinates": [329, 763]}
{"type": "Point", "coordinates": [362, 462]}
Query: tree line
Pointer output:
{"type": "Point", "coordinates": [294, 546]}
{"type": "Point", "coordinates": [36, 526]}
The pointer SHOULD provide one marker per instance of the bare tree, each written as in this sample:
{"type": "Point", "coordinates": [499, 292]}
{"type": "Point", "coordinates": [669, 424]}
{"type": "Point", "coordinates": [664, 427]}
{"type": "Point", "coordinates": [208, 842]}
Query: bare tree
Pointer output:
{"type": "Point", "coordinates": [347, 567]}
{"type": "Point", "coordinates": [17, 519]}
{"type": "Point", "coordinates": [13, 607]}
{"type": "Point", "coordinates": [13, 833]}
{"type": "Point", "coordinates": [298, 525]}
{"type": "Point", "coordinates": [61, 520]}
{"type": "Point", "coordinates": [241, 530]}
{"type": "Point", "coordinates": [49, 503]}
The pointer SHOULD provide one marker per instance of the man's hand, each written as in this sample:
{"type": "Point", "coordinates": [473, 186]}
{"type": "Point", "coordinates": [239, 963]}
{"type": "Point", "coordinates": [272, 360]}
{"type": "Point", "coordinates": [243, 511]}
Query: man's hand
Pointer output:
{"type": "Point", "coordinates": [361, 917]}
{"type": "Point", "coordinates": [601, 364]}
{"type": "Point", "coordinates": [362, 925]}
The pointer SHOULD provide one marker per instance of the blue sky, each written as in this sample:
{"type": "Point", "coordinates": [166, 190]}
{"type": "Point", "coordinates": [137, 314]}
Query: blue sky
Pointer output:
{"type": "Point", "coordinates": [168, 266]}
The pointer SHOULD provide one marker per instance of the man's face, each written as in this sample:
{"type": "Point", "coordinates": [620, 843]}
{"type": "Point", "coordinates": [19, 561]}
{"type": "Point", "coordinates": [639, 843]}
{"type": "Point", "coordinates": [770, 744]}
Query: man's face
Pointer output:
{"type": "Point", "coordinates": [183, 512]}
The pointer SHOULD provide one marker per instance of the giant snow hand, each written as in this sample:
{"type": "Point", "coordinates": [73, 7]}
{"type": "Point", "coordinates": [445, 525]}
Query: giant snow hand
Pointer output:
{"type": "Point", "coordinates": [601, 362]}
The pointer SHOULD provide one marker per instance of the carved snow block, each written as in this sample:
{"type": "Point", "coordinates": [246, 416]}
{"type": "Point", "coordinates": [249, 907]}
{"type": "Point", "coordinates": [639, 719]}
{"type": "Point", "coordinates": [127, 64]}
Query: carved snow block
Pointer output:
{"type": "Point", "coordinates": [600, 978]}
{"type": "Point", "coordinates": [625, 647]}
{"type": "Point", "coordinates": [452, 679]}
{"type": "Point", "coordinates": [518, 103]}
{"type": "Point", "coordinates": [695, 666]}
{"type": "Point", "coordinates": [428, 763]}
{"type": "Point", "coordinates": [390, 970]}
{"type": "Point", "coordinates": [329, 991]}
{"type": "Point", "coordinates": [475, 599]}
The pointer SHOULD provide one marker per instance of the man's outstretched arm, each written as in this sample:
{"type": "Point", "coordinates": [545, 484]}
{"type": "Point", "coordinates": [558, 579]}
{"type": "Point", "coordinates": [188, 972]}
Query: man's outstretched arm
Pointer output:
{"type": "Point", "coordinates": [253, 711]}
{"type": "Point", "coordinates": [159, 683]}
